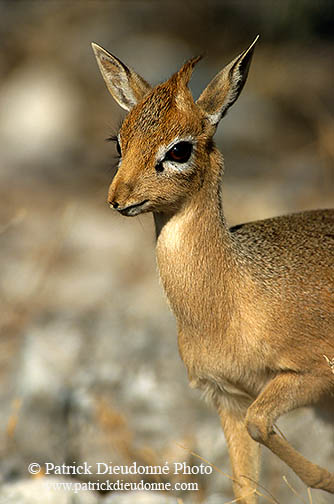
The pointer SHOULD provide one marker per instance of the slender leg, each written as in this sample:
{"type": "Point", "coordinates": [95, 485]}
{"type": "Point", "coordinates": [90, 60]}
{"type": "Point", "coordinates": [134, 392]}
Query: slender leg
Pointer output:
{"type": "Point", "coordinates": [285, 393]}
{"type": "Point", "coordinates": [244, 456]}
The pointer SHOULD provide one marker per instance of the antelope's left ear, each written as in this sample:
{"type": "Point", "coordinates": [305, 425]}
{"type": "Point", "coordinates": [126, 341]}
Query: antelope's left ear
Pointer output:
{"type": "Point", "coordinates": [225, 88]}
{"type": "Point", "coordinates": [124, 84]}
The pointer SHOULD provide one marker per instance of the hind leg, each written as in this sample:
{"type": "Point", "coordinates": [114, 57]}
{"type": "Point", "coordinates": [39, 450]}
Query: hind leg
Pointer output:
{"type": "Point", "coordinates": [284, 393]}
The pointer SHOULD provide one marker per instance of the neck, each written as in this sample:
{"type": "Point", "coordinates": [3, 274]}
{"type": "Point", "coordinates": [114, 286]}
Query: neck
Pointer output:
{"type": "Point", "coordinates": [194, 243]}
{"type": "Point", "coordinates": [207, 201]}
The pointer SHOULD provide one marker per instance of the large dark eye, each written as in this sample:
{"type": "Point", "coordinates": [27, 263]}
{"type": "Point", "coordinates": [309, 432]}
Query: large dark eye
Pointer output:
{"type": "Point", "coordinates": [114, 138]}
{"type": "Point", "coordinates": [180, 153]}
{"type": "Point", "coordinates": [118, 147]}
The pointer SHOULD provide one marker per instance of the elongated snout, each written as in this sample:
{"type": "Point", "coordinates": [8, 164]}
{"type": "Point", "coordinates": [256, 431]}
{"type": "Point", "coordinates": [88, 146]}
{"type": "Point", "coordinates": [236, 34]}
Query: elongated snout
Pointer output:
{"type": "Point", "coordinates": [123, 198]}
{"type": "Point", "coordinates": [112, 197]}
{"type": "Point", "coordinates": [119, 193]}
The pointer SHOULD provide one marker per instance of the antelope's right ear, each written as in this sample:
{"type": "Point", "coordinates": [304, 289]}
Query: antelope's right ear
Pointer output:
{"type": "Point", "coordinates": [124, 84]}
{"type": "Point", "coordinates": [225, 88]}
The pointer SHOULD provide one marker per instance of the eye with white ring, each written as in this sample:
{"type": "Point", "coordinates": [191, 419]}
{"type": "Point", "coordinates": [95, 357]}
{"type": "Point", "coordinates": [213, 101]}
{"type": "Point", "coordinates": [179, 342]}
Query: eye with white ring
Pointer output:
{"type": "Point", "coordinates": [115, 140]}
{"type": "Point", "coordinates": [179, 153]}
{"type": "Point", "coordinates": [118, 148]}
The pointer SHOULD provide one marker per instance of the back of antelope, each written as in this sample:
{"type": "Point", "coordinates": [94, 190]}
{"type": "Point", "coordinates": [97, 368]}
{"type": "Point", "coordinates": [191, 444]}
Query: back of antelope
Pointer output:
{"type": "Point", "coordinates": [255, 303]}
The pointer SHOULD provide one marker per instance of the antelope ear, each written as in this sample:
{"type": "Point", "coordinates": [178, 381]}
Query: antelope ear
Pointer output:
{"type": "Point", "coordinates": [225, 88]}
{"type": "Point", "coordinates": [124, 84]}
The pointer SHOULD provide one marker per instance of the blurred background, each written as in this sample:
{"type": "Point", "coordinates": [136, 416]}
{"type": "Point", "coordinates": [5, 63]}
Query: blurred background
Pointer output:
{"type": "Point", "coordinates": [89, 363]}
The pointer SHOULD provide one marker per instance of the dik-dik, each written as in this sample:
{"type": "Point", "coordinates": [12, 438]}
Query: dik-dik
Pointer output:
{"type": "Point", "coordinates": [255, 303]}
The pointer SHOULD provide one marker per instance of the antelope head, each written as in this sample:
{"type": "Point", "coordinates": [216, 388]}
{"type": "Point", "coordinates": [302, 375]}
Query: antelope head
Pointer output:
{"type": "Point", "coordinates": [165, 142]}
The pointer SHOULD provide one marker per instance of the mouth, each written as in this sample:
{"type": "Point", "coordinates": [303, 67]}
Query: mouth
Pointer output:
{"type": "Point", "coordinates": [132, 210]}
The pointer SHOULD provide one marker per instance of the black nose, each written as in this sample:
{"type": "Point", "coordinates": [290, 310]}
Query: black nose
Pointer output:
{"type": "Point", "coordinates": [115, 204]}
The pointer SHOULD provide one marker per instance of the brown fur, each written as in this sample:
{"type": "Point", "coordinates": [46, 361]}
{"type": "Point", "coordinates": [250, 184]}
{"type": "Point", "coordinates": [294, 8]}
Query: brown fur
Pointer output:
{"type": "Point", "coordinates": [254, 304]}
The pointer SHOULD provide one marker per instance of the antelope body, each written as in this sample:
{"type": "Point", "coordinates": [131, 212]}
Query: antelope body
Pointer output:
{"type": "Point", "coordinates": [255, 303]}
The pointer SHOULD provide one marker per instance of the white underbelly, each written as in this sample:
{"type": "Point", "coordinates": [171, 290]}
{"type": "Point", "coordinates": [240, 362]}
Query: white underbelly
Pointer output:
{"type": "Point", "coordinates": [223, 394]}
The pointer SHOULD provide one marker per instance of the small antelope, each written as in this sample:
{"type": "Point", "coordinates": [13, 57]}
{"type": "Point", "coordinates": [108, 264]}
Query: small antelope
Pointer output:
{"type": "Point", "coordinates": [254, 303]}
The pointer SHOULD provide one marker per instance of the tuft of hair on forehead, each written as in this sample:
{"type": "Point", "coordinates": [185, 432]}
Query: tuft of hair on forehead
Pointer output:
{"type": "Point", "coordinates": [183, 76]}
{"type": "Point", "coordinates": [153, 110]}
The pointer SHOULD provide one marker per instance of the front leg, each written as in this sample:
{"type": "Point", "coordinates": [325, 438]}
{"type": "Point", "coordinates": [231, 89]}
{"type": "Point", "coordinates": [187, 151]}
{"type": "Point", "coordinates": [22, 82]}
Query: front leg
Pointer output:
{"type": "Point", "coordinates": [284, 393]}
{"type": "Point", "coordinates": [244, 456]}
